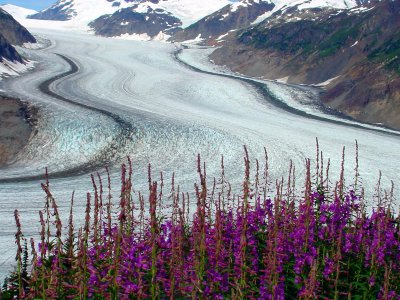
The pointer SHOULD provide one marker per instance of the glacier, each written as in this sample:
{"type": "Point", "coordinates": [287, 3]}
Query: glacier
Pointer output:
{"type": "Point", "coordinates": [174, 112]}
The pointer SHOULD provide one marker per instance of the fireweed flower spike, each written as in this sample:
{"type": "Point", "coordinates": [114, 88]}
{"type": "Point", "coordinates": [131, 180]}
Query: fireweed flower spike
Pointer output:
{"type": "Point", "coordinates": [263, 244]}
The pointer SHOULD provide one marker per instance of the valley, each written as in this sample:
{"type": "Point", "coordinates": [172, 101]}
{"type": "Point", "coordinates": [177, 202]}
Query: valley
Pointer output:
{"type": "Point", "coordinates": [162, 81]}
{"type": "Point", "coordinates": [174, 113]}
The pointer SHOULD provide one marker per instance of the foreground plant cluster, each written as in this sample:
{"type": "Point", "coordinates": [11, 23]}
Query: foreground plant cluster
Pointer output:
{"type": "Point", "coordinates": [320, 244]}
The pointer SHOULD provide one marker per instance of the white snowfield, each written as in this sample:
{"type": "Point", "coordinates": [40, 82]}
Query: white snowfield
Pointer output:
{"type": "Point", "coordinates": [283, 5]}
{"type": "Point", "coordinates": [83, 12]}
{"type": "Point", "coordinates": [17, 12]}
{"type": "Point", "coordinates": [174, 113]}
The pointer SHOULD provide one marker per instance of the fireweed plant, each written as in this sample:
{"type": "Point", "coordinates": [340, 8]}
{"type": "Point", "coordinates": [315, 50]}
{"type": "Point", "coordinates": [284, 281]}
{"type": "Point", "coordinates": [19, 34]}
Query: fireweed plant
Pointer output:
{"type": "Point", "coordinates": [320, 243]}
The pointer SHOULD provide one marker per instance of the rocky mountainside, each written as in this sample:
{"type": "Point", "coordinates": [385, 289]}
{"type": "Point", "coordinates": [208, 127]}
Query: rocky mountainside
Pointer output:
{"type": "Point", "coordinates": [56, 13]}
{"type": "Point", "coordinates": [12, 33]}
{"type": "Point", "coordinates": [7, 51]}
{"type": "Point", "coordinates": [142, 18]}
{"type": "Point", "coordinates": [160, 19]}
{"type": "Point", "coordinates": [354, 53]}
{"type": "Point", "coordinates": [214, 28]}
{"type": "Point", "coordinates": [351, 47]}
{"type": "Point", "coordinates": [231, 17]}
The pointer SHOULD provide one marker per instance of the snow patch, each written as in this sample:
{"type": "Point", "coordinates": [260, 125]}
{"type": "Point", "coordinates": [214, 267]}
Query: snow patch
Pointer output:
{"type": "Point", "coordinates": [190, 11]}
{"type": "Point", "coordinates": [144, 8]}
{"type": "Point", "coordinates": [263, 17]}
{"type": "Point", "coordinates": [161, 36]}
{"type": "Point", "coordinates": [144, 37]}
{"type": "Point", "coordinates": [361, 9]}
{"type": "Point", "coordinates": [10, 68]}
{"type": "Point", "coordinates": [222, 36]}
{"type": "Point", "coordinates": [283, 79]}
{"type": "Point", "coordinates": [283, 5]}
{"type": "Point", "coordinates": [235, 6]}
{"type": "Point", "coordinates": [224, 16]}
{"type": "Point", "coordinates": [17, 12]}
{"type": "Point", "coordinates": [325, 83]}
{"type": "Point", "coordinates": [194, 41]}
{"type": "Point", "coordinates": [354, 44]}
{"type": "Point", "coordinates": [134, 37]}
{"type": "Point", "coordinates": [32, 46]}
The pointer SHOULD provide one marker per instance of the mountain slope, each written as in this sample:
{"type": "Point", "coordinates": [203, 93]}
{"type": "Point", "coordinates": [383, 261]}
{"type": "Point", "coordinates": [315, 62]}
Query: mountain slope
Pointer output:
{"type": "Point", "coordinates": [14, 32]}
{"type": "Point", "coordinates": [153, 19]}
{"type": "Point", "coordinates": [8, 52]}
{"type": "Point", "coordinates": [82, 11]}
{"type": "Point", "coordinates": [86, 11]}
{"type": "Point", "coordinates": [243, 13]}
{"type": "Point", "coordinates": [233, 16]}
{"type": "Point", "coordinates": [355, 53]}
{"type": "Point", "coordinates": [18, 12]}
{"type": "Point", "coordinates": [142, 20]}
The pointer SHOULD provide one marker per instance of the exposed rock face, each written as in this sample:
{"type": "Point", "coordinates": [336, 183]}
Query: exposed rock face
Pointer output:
{"type": "Point", "coordinates": [7, 51]}
{"type": "Point", "coordinates": [357, 51]}
{"type": "Point", "coordinates": [60, 11]}
{"type": "Point", "coordinates": [128, 21]}
{"type": "Point", "coordinates": [230, 17]}
{"type": "Point", "coordinates": [15, 127]}
{"type": "Point", "coordinates": [14, 32]}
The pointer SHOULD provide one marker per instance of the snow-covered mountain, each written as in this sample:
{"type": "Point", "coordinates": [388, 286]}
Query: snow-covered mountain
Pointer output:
{"type": "Point", "coordinates": [188, 11]}
{"type": "Point", "coordinates": [12, 31]}
{"type": "Point", "coordinates": [85, 11]}
{"type": "Point", "coordinates": [231, 17]}
{"type": "Point", "coordinates": [243, 13]}
{"type": "Point", "coordinates": [142, 21]}
{"type": "Point", "coordinates": [80, 11]}
{"type": "Point", "coordinates": [149, 19]}
{"type": "Point", "coordinates": [18, 12]}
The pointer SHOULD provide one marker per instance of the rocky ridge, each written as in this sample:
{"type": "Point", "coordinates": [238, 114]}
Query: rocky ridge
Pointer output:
{"type": "Point", "coordinates": [229, 18]}
{"type": "Point", "coordinates": [12, 33]}
{"type": "Point", "coordinates": [354, 54]}
{"type": "Point", "coordinates": [144, 21]}
{"type": "Point", "coordinates": [348, 47]}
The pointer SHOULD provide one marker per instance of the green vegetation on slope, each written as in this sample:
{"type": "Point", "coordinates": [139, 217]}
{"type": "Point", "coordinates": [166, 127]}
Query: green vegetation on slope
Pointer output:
{"type": "Point", "coordinates": [388, 54]}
